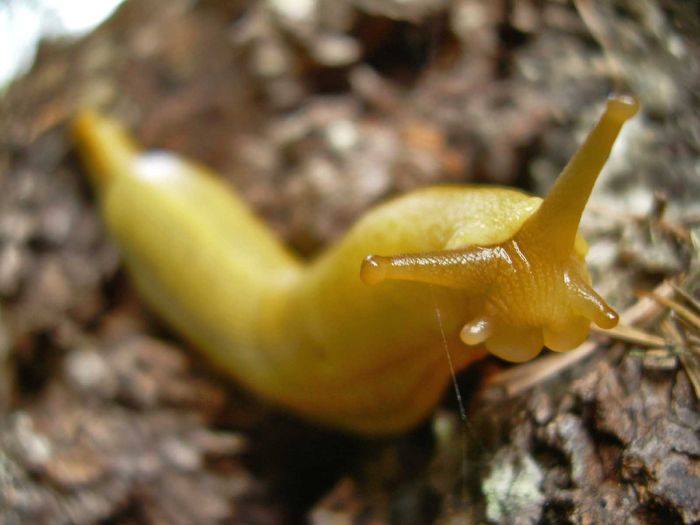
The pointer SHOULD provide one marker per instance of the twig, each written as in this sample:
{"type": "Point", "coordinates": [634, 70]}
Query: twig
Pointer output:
{"type": "Point", "coordinates": [520, 378]}
{"type": "Point", "coordinates": [681, 310]}
{"type": "Point", "coordinates": [690, 359]}
{"type": "Point", "coordinates": [687, 297]}
{"type": "Point", "coordinates": [631, 334]}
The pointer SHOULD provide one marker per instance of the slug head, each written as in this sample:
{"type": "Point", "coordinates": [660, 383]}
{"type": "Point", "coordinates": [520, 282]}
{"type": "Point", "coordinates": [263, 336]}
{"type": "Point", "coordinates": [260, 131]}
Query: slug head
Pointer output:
{"type": "Point", "coordinates": [533, 300]}
{"type": "Point", "coordinates": [525, 297]}
{"type": "Point", "coordinates": [532, 289]}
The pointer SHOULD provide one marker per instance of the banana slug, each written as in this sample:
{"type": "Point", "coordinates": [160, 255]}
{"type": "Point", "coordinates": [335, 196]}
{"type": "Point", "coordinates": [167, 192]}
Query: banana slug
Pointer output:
{"type": "Point", "coordinates": [351, 340]}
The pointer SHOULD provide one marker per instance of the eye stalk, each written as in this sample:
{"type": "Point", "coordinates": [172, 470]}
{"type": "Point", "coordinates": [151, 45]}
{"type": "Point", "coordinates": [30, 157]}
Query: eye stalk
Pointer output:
{"type": "Point", "coordinates": [554, 224]}
{"type": "Point", "coordinates": [462, 269]}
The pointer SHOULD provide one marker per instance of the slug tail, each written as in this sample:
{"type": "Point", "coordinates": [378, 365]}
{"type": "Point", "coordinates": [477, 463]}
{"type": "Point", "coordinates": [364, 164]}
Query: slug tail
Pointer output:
{"type": "Point", "coordinates": [104, 147]}
{"type": "Point", "coordinates": [556, 221]}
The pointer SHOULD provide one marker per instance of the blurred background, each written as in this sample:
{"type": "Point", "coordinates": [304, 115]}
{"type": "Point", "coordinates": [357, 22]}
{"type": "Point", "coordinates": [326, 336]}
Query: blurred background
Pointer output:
{"type": "Point", "coordinates": [23, 25]}
{"type": "Point", "coordinates": [315, 110]}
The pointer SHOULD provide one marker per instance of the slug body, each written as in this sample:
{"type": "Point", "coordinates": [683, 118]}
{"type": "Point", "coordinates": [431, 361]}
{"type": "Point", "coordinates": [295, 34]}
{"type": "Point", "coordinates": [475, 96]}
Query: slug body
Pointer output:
{"type": "Point", "coordinates": [506, 271]}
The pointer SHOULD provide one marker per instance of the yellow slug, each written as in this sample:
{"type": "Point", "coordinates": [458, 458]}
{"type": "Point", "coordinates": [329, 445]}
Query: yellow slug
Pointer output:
{"type": "Point", "coordinates": [505, 269]}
